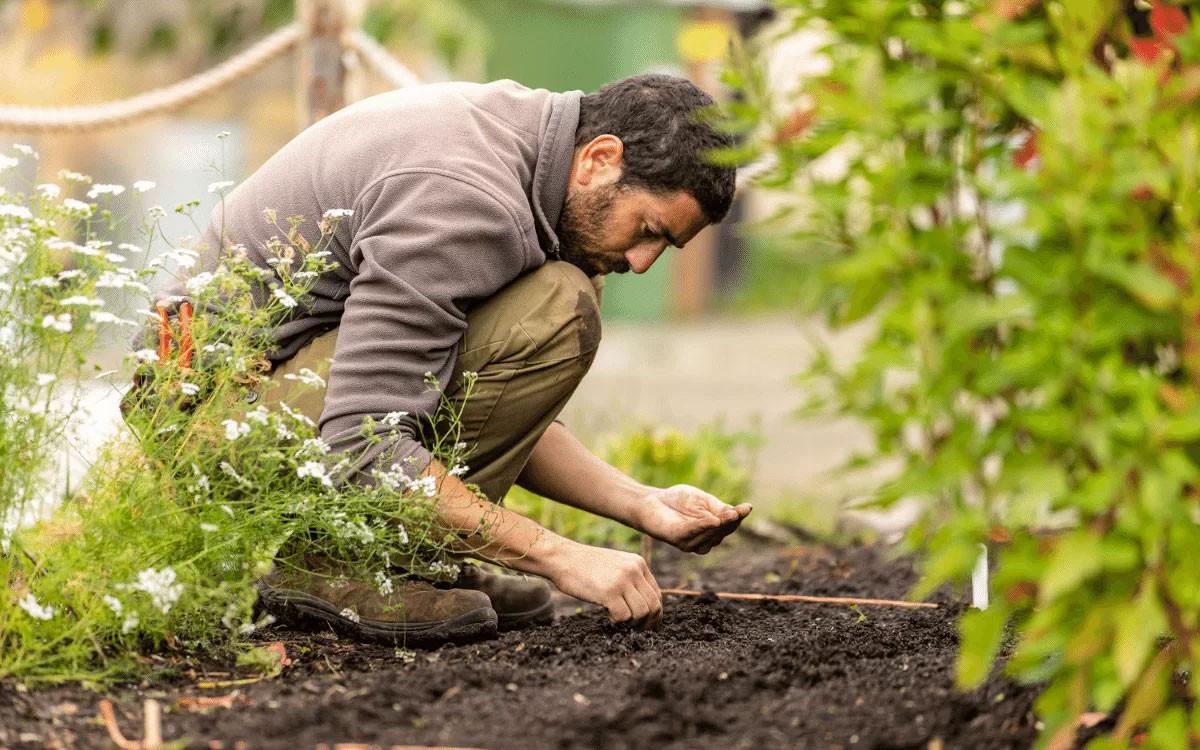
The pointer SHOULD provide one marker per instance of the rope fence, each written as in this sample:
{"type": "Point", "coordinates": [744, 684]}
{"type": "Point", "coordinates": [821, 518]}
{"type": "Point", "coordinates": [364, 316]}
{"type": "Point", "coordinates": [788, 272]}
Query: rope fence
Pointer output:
{"type": "Point", "coordinates": [169, 99]}
{"type": "Point", "coordinates": [379, 60]}
{"type": "Point", "coordinates": [160, 101]}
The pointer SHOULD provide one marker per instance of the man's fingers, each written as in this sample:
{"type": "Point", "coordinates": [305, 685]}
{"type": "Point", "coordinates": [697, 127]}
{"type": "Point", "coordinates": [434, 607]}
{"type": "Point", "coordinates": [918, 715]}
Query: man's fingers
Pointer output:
{"type": "Point", "coordinates": [655, 596]}
{"type": "Point", "coordinates": [619, 611]}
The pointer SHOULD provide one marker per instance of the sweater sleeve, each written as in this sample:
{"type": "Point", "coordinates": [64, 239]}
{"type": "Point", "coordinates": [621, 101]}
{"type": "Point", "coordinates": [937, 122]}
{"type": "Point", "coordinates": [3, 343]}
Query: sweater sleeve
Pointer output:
{"type": "Point", "coordinates": [425, 247]}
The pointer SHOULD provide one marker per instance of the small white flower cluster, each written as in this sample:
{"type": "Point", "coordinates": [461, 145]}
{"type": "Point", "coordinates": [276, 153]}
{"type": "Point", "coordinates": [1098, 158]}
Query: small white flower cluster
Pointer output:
{"type": "Point", "coordinates": [354, 531]}
{"type": "Point", "coordinates": [220, 186]}
{"type": "Point", "coordinates": [984, 412]}
{"type": "Point", "coordinates": [76, 207]}
{"type": "Point", "coordinates": [235, 429]}
{"type": "Point", "coordinates": [350, 615]}
{"type": "Point", "coordinates": [307, 377]}
{"type": "Point", "coordinates": [284, 298]}
{"type": "Point", "coordinates": [35, 610]}
{"type": "Point", "coordinates": [444, 571]}
{"type": "Point", "coordinates": [12, 211]}
{"type": "Point", "coordinates": [103, 189]}
{"type": "Point", "coordinates": [131, 620]}
{"type": "Point", "coordinates": [164, 591]}
{"type": "Point", "coordinates": [334, 214]}
{"type": "Point", "coordinates": [141, 186]}
{"type": "Point", "coordinates": [383, 582]}
{"type": "Point", "coordinates": [60, 322]}
{"type": "Point", "coordinates": [392, 418]}
{"type": "Point", "coordinates": [315, 470]}
{"type": "Point", "coordinates": [197, 283]}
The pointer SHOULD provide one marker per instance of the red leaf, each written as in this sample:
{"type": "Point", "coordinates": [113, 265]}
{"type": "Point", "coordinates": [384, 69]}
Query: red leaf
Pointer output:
{"type": "Point", "coordinates": [1146, 49]}
{"type": "Point", "coordinates": [1027, 153]}
{"type": "Point", "coordinates": [1142, 193]}
{"type": "Point", "coordinates": [1167, 20]}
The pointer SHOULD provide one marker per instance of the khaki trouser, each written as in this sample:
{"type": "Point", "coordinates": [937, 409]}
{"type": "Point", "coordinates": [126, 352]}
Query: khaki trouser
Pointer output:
{"type": "Point", "coordinates": [530, 344]}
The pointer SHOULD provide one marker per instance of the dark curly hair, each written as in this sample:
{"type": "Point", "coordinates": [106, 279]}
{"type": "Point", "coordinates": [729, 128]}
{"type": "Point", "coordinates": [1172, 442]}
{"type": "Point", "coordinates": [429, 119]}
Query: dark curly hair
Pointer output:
{"type": "Point", "coordinates": [655, 117]}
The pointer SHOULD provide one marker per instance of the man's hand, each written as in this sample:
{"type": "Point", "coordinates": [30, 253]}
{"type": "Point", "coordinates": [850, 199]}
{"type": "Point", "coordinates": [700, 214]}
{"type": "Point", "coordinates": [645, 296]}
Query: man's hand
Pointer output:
{"type": "Point", "coordinates": [689, 518]}
{"type": "Point", "coordinates": [621, 582]}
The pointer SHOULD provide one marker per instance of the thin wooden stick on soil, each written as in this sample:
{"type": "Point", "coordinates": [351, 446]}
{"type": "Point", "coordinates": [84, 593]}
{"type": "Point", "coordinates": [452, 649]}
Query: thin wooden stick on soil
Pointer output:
{"type": "Point", "coordinates": [804, 598]}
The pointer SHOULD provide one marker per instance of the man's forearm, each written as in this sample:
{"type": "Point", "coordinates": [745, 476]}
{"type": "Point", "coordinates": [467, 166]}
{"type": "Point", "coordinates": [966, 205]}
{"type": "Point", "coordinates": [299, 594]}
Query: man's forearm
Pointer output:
{"type": "Point", "coordinates": [562, 469]}
{"type": "Point", "coordinates": [492, 531]}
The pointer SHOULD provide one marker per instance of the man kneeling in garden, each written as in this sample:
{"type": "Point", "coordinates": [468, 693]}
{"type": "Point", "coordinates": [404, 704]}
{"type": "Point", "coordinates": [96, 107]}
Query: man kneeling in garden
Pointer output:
{"type": "Point", "coordinates": [474, 216]}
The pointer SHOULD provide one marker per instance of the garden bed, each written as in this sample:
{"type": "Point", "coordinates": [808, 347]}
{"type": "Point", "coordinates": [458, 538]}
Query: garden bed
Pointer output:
{"type": "Point", "coordinates": [717, 674]}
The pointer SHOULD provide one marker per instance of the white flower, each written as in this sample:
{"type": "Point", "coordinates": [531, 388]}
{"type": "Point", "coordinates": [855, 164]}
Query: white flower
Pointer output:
{"type": "Point", "coordinates": [209, 527]}
{"type": "Point", "coordinates": [8, 162]}
{"type": "Point", "coordinates": [183, 257]}
{"type": "Point", "coordinates": [196, 284]}
{"type": "Point", "coordinates": [35, 610]}
{"type": "Point", "coordinates": [69, 176]}
{"type": "Point", "coordinates": [217, 187]}
{"type": "Point", "coordinates": [402, 533]}
{"type": "Point", "coordinates": [992, 465]}
{"type": "Point", "coordinates": [235, 429]}
{"type": "Point", "coordinates": [350, 614]}
{"type": "Point", "coordinates": [49, 190]}
{"type": "Point", "coordinates": [258, 414]}
{"type": "Point", "coordinates": [45, 378]}
{"type": "Point", "coordinates": [161, 586]}
{"type": "Point", "coordinates": [338, 213]}
{"type": "Point", "coordinates": [296, 415]}
{"type": "Point", "coordinates": [383, 582]}
{"type": "Point", "coordinates": [77, 207]}
{"type": "Point", "coordinates": [14, 211]}
{"type": "Point", "coordinates": [306, 376]}
{"type": "Point", "coordinates": [47, 282]}
{"type": "Point", "coordinates": [101, 188]}
{"type": "Point", "coordinates": [26, 149]}
{"type": "Point", "coordinates": [156, 212]}
{"type": "Point", "coordinates": [315, 445]}
{"type": "Point", "coordinates": [284, 298]}
{"type": "Point", "coordinates": [316, 470]}
{"type": "Point", "coordinates": [131, 248]}
{"type": "Point", "coordinates": [141, 186]}
{"type": "Point", "coordinates": [107, 317]}
{"type": "Point", "coordinates": [189, 389]}
{"type": "Point", "coordinates": [114, 604]}
{"type": "Point", "coordinates": [392, 418]}
{"type": "Point", "coordinates": [60, 322]}
{"type": "Point", "coordinates": [457, 470]}
{"type": "Point", "coordinates": [130, 623]}
{"type": "Point", "coordinates": [146, 355]}
{"type": "Point", "coordinates": [81, 301]}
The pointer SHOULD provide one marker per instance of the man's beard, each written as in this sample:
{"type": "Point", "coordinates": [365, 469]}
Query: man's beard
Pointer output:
{"type": "Point", "coordinates": [584, 216]}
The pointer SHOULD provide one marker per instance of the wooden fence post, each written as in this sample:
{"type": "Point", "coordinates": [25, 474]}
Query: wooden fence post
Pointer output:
{"type": "Point", "coordinates": [321, 76]}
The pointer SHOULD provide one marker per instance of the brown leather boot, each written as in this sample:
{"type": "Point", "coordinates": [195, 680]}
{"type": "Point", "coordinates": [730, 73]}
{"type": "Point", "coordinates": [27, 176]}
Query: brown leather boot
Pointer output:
{"type": "Point", "coordinates": [519, 600]}
{"type": "Point", "coordinates": [413, 613]}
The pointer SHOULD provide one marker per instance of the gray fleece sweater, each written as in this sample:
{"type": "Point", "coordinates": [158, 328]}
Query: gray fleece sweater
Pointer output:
{"type": "Point", "coordinates": [456, 189]}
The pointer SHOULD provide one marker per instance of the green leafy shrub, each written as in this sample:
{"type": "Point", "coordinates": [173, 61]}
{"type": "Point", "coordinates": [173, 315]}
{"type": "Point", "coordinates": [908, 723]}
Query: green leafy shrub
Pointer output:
{"type": "Point", "coordinates": [712, 458]}
{"type": "Point", "coordinates": [1009, 191]}
{"type": "Point", "coordinates": [176, 521]}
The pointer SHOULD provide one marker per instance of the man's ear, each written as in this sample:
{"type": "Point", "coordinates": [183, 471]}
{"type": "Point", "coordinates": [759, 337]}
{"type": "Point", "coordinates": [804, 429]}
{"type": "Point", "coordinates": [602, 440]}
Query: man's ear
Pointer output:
{"type": "Point", "coordinates": [599, 161]}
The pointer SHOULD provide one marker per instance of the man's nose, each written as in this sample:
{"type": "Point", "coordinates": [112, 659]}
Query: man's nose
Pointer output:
{"type": "Point", "coordinates": [642, 257]}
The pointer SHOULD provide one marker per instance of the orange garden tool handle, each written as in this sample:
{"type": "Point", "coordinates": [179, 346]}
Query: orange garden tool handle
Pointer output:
{"type": "Point", "coordinates": [164, 334]}
{"type": "Point", "coordinates": [185, 334]}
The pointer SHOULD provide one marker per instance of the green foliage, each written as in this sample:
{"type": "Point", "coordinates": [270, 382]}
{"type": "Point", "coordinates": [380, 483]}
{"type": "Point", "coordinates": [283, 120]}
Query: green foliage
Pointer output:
{"type": "Point", "coordinates": [712, 458]}
{"type": "Point", "coordinates": [176, 521]}
{"type": "Point", "coordinates": [1009, 192]}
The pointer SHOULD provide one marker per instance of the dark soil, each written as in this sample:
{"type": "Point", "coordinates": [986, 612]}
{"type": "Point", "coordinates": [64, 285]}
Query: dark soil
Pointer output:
{"type": "Point", "coordinates": [716, 675]}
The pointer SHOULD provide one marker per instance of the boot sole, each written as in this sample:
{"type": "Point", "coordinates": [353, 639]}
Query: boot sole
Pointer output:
{"type": "Point", "coordinates": [304, 610]}
{"type": "Point", "coordinates": [516, 620]}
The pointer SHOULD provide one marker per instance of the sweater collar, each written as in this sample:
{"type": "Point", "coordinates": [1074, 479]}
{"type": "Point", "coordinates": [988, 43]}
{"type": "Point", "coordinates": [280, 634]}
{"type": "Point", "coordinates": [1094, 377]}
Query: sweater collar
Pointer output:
{"type": "Point", "coordinates": [556, 151]}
